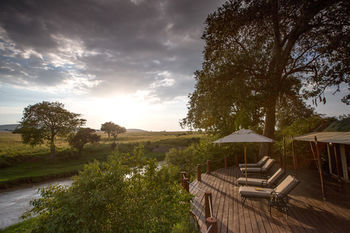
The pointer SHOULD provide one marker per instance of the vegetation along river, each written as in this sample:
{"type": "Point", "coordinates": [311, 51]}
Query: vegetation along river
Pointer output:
{"type": "Point", "coordinates": [14, 202]}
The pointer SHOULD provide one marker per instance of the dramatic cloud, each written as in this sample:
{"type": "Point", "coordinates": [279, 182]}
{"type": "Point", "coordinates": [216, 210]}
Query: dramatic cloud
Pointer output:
{"type": "Point", "coordinates": [103, 47]}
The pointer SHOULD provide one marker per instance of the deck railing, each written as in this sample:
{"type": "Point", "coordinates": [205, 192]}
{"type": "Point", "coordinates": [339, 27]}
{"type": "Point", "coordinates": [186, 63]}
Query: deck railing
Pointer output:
{"type": "Point", "coordinates": [211, 220]}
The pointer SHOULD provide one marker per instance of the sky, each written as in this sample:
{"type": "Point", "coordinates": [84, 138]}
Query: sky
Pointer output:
{"type": "Point", "coordinates": [126, 61]}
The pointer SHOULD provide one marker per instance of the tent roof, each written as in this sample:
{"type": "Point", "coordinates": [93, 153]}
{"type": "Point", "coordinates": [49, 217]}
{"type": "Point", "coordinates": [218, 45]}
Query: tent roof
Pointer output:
{"type": "Point", "coordinates": [328, 137]}
{"type": "Point", "coordinates": [244, 135]}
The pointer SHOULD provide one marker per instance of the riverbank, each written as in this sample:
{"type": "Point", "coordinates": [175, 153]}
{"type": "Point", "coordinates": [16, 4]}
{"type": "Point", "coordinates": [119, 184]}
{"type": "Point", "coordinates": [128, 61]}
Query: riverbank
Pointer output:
{"type": "Point", "coordinates": [22, 165]}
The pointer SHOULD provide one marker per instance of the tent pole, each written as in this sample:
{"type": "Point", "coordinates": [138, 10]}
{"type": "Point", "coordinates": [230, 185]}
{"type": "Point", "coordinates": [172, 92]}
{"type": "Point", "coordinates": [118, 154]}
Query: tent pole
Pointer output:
{"type": "Point", "coordinates": [245, 163]}
{"type": "Point", "coordinates": [320, 170]}
{"type": "Point", "coordinates": [313, 154]}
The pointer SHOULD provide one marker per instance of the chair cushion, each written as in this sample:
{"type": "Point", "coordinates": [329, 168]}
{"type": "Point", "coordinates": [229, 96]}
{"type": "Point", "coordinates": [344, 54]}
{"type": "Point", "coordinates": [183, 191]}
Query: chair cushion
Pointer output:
{"type": "Point", "coordinates": [263, 160]}
{"type": "Point", "coordinates": [286, 185]}
{"type": "Point", "coordinates": [251, 191]}
{"type": "Point", "coordinates": [267, 165]}
{"type": "Point", "coordinates": [251, 169]}
{"type": "Point", "coordinates": [258, 164]}
{"type": "Point", "coordinates": [275, 177]}
{"type": "Point", "coordinates": [251, 181]}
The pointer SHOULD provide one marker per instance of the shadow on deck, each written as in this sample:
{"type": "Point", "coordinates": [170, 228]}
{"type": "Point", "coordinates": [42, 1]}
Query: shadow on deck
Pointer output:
{"type": "Point", "coordinates": [307, 211]}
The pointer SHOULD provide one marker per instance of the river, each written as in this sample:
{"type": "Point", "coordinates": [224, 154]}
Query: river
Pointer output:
{"type": "Point", "coordinates": [14, 202]}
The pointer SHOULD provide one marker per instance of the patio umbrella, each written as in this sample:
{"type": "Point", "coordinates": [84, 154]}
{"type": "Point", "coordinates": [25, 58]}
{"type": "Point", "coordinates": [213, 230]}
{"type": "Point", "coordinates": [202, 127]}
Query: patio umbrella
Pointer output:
{"type": "Point", "coordinates": [244, 135]}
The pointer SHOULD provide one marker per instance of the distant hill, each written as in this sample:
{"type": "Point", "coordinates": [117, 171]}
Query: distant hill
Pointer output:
{"type": "Point", "coordinates": [135, 130]}
{"type": "Point", "coordinates": [10, 127]}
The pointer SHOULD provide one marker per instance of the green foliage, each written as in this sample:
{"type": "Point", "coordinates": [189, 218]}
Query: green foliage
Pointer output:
{"type": "Point", "coordinates": [46, 120]}
{"type": "Point", "coordinates": [111, 197]}
{"type": "Point", "coordinates": [81, 137]}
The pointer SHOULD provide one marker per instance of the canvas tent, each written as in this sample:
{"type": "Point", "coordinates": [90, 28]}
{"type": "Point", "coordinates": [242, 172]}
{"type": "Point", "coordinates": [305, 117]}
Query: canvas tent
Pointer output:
{"type": "Point", "coordinates": [338, 150]}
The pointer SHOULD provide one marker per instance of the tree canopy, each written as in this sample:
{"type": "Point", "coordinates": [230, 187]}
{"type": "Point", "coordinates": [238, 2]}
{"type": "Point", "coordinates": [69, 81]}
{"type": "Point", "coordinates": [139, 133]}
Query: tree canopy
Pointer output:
{"type": "Point", "coordinates": [260, 55]}
{"type": "Point", "coordinates": [81, 137]}
{"type": "Point", "coordinates": [44, 121]}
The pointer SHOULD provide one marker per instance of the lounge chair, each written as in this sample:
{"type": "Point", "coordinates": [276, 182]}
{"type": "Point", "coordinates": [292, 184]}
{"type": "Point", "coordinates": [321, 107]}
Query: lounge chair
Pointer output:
{"type": "Point", "coordinates": [260, 163]}
{"type": "Point", "coordinates": [261, 170]}
{"type": "Point", "coordinates": [271, 182]}
{"type": "Point", "coordinates": [276, 197]}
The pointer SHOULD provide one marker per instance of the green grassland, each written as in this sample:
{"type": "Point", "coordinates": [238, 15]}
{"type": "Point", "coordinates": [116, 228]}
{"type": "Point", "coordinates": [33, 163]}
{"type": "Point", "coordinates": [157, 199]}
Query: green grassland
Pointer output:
{"type": "Point", "coordinates": [20, 163]}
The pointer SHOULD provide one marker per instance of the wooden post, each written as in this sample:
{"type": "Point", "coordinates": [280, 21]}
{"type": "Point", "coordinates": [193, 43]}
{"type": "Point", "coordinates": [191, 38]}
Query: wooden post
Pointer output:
{"type": "Point", "coordinates": [295, 162]}
{"type": "Point", "coordinates": [206, 204]}
{"type": "Point", "coordinates": [208, 166]}
{"type": "Point", "coordinates": [186, 184]}
{"type": "Point", "coordinates": [320, 170]}
{"type": "Point", "coordinates": [199, 173]}
{"type": "Point", "coordinates": [212, 224]}
{"type": "Point", "coordinates": [183, 174]}
{"type": "Point", "coordinates": [226, 162]}
{"type": "Point", "coordinates": [284, 154]}
{"type": "Point", "coordinates": [236, 160]}
{"type": "Point", "coordinates": [336, 160]}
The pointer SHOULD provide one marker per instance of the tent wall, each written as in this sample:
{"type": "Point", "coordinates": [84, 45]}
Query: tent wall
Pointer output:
{"type": "Point", "coordinates": [344, 162]}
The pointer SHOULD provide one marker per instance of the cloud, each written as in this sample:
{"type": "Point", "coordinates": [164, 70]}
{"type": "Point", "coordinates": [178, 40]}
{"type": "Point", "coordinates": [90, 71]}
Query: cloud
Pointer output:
{"type": "Point", "coordinates": [103, 47]}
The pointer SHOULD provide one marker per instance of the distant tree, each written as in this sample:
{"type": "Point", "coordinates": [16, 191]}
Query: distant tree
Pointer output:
{"type": "Point", "coordinates": [81, 137]}
{"type": "Point", "coordinates": [117, 130]}
{"type": "Point", "coordinates": [46, 120]}
{"type": "Point", "coordinates": [112, 129]}
{"type": "Point", "coordinates": [260, 53]}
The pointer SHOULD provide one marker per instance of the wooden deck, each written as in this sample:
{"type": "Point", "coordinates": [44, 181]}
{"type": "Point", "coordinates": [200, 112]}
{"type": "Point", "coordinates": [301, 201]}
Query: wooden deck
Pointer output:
{"type": "Point", "coordinates": [307, 211]}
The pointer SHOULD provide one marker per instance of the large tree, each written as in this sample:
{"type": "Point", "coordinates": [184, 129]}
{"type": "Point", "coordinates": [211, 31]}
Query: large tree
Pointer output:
{"type": "Point", "coordinates": [260, 54]}
{"type": "Point", "coordinates": [46, 120]}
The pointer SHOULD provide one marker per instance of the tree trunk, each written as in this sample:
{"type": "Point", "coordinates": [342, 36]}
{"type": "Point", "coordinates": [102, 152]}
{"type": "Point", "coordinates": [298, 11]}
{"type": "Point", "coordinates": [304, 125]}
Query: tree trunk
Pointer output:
{"type": "Point", "coordinates": [52, 147]}
{"type": "Point", "coordinates": [269, 127]}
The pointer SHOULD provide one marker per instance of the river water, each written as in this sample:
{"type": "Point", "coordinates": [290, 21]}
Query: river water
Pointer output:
{"type": "Point", "coordinates": [14, 202]}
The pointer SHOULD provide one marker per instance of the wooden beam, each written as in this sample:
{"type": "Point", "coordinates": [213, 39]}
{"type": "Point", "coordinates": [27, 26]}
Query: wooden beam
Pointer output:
{"type": "Point", "coordinates": [320, 169]}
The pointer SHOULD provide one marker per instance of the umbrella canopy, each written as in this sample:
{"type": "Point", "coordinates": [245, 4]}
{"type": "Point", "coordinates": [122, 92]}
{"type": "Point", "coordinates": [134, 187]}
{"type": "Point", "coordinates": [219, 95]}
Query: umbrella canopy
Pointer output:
{"type": "Point", "coordinates": [244, 135]}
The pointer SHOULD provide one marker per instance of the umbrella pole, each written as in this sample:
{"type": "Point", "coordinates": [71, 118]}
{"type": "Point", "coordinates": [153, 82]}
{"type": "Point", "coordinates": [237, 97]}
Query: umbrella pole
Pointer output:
{"type": "Point", "coordinates": [245, 162]}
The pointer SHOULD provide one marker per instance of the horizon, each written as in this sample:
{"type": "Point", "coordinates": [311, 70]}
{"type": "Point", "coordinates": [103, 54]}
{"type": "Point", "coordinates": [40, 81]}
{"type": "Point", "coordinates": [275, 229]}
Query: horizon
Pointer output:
{"type": "Point", "coordinates": [136, 71]}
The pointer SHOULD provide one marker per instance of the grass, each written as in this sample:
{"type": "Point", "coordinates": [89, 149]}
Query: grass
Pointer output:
{"type": "Point", "coordinates": [20, 163]}
{"type": "Point", "coordinates": [22, 227]}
